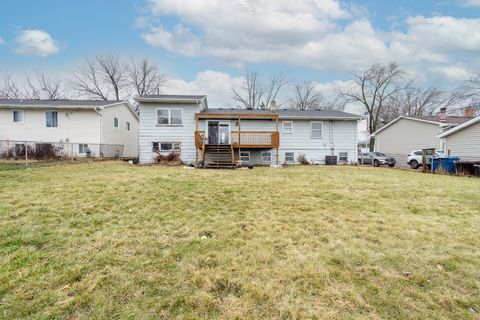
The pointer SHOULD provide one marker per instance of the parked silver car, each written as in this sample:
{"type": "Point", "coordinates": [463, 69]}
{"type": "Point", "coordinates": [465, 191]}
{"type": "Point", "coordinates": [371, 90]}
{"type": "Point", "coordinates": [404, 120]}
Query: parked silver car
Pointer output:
{"type": "Point", "coordinates": [376, 159]}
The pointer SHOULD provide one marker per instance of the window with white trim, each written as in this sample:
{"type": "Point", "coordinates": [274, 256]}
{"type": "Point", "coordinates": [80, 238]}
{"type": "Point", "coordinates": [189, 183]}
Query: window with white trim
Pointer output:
{"type": "Point", "coordinates": [316, 130]}
{"type": "Point", "coordinates": [51, 119]}
{"type": "Point", "coordinates": [82, 148]}
{"type": "Point", "coordinates": [266, 157]}
{"type": "Point", "coordinates": [343, 156]}
{"type": "Point", "coordinates": [128, 125]}
{"type": "Point", "coordinates": [287, 127]}
{"type": "Point", "coordinates": [169, 117]}
{"type": "Point", "coordinates": [245, 156]}
{"type": "Point", "coordinates": [116, 122]}
{"type": "Point", "coordinates": [18, 116]}
{"type": "Point", "coordinates": [166, 146]}
{"type": "Point", "coordinates": [289, 157]}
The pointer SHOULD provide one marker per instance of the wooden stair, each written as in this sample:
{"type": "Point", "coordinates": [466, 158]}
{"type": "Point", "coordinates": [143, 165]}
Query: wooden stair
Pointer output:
{"type": "Point", "coordinates": [219, 156]}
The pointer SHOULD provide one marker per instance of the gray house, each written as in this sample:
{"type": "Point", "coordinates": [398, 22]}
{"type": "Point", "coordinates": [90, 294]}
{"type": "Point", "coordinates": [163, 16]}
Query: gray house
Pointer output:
{"type": "Point", "coordinates": [463, 140]}
{"type": "Point", "coordinates": [405, 134]}
{"type": "Point", "coordinates": [186, 125]}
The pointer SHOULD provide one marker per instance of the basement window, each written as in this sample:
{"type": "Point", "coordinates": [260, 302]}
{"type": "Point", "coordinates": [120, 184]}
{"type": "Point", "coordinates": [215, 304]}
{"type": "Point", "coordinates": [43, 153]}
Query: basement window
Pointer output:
{"type": "Point", "coordinates": [289, 157]}
{"type": "Point", "coordinates": [266, 157]}
{"type": "Point", "coordinates": [245, 156]}
{"type": "Point", "coordinates": [166, 146]}
{"type": "Point", "coordinates": [343, 156]}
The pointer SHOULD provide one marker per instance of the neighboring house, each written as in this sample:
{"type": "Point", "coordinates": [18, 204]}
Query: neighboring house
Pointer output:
{"type": "Point", "coordinates": [75, 127]}
{"type": "Point", "coordinates": [463, 140]}
{"type": "Point", "coordinates": [185, 124]}
{"type": "Point", "coordinates": [405, 134]}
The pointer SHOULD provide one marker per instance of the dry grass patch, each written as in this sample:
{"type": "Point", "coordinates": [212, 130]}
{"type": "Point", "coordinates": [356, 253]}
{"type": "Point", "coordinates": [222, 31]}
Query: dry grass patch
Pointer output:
{"type": "Point", "coordinates": [105, 240]}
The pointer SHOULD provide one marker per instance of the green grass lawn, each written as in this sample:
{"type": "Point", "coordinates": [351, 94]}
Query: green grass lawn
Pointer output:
{"type": "Point", "coordinates": [110, 240]}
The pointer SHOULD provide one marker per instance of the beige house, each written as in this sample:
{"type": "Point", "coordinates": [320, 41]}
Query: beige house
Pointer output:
{"type": "Point", "coordinates": [463, 140]}
{"type": "Point", "coordinates": [76, 128]}
{"type": "Point", "coordinates": [405, 134]}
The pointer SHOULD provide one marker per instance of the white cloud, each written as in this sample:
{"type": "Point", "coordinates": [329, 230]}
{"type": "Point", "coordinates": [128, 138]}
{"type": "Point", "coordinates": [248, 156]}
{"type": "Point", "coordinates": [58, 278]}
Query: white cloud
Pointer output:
{"type": "Point", "coordinates": [215, 84]}
{"type": "Point", "coordinates": [326, 35]}
{"type": "Point", "coordinates": [470, 3]}
{"type": "Point", "coordinates": [36, 42]}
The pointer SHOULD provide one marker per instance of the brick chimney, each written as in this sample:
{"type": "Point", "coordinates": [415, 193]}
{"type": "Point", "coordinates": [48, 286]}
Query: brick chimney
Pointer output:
{"type": "Point", "coordinates": [273, 105]}
{"type": "Point", "coordinates": [443, 115]}
{"type": "Point", "coordinates": [469, 112]}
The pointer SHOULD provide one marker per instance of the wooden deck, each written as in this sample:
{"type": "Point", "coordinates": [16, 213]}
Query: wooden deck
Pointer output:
{"type": "Point", "coordinates": [245, 139]}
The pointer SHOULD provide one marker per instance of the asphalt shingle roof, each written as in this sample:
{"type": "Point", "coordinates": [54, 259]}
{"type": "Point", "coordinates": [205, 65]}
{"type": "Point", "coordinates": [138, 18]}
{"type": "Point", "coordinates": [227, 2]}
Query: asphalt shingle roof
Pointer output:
{"type": "Point", "coordinates": [56, 103]}
{"type": "Point", "coordinates": [449, 119]}
{"type": "Point", "coordinates": [173, 96]}
{"type": "Point", "coordinates": [285, 113]}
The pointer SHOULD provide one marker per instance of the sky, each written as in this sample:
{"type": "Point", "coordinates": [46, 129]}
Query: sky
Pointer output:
{"type": "Point", "coordinates": [206, 46]}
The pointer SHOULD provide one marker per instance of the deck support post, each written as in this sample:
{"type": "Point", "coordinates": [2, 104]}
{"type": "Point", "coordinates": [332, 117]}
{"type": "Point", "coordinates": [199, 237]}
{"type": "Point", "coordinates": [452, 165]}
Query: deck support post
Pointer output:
{"type": "Point", "coordinates": [239, 134]}
{"type": "Point", "coordinates": [196, 135]}
{"type": "Point", "coordinates": [278, 142]}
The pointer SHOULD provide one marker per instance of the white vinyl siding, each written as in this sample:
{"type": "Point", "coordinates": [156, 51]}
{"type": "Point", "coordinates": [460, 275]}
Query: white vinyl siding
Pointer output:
{"type": "Point", "coordinates": [51, 119]}
{"type": "Point", "coordinates": [18, 116]}
{"type": "Point", "coordinates": [151, 131]}
{"type": "Point", "coordinates": [465, 143]}
{"type": "Point", "coordinates": [316, 128]}
{"type": "Point", "coordinates": [169, 117]}
{"type": "Point", "coordinates": [287, 127]}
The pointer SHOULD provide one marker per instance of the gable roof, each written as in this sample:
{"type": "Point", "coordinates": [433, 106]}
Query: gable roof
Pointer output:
{"type": "Point", "coordinates": [171, 98]}
{"type": "Point", "coordinates": [62, 104]}
{"type": "Point", "coordinates": [464, 125]}
{"type": "Point", "coordinates": [450, 120]}
{"type": "Point", "coordinates": [288, 113]}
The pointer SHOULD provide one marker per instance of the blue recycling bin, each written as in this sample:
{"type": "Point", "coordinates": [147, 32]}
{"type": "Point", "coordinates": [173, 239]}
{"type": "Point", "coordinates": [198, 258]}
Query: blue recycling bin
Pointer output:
{"type": "Point", "coordinates": [445, 163]}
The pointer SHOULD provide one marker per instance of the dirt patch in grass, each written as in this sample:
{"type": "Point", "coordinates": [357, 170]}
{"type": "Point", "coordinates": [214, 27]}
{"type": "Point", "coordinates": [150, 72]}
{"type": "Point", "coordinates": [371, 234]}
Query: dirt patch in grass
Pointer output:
{"type": "Point", "coordinates": [108, 239]}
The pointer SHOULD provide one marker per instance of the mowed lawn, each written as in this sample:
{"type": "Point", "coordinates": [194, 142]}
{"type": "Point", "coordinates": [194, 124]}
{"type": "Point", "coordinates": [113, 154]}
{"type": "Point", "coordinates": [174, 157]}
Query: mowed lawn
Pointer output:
{"type": "Point", "coordinates": [110, 240]}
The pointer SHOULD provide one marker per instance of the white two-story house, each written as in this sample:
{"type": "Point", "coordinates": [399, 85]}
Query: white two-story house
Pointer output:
{"type": "Point", "coordinates": [75, 128]}
{"type": "Point", "coordinates": [225, 137]}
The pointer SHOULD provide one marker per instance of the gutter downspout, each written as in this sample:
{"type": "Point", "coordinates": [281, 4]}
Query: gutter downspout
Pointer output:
{"type": "Point", "coordinates": [100, 136]}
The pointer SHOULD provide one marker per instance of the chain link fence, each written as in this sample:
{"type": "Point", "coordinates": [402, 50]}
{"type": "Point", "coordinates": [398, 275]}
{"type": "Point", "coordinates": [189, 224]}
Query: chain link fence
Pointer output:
{"type": "Point", "coordinates": [24, 153]}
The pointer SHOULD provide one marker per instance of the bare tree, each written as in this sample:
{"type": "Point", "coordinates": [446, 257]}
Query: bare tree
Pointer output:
{"type": "Point", "coordinates": [145, 77]}
{"type": "Point", "coordinates": [305, 97]}
{"type": "Point", "coordinates": [103, 77]}
{"type": "Point", "coordinates": [373, 89]}
{"type": "Point", "coordinates": [43, 87]}
{"type": "Point", "coordinates": [9, 88]}
{"type": "Point", "coordinates": [254, 94]}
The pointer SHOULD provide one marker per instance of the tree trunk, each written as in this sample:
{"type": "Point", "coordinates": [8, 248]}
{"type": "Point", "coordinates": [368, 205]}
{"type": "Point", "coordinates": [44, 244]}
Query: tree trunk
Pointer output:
{"type": "Point", "coordinates": [372, 144]}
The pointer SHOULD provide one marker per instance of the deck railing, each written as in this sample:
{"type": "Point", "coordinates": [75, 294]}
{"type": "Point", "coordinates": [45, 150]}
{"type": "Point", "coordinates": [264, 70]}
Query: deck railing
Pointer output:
{"type": "Point", "coordinates": [246, 139]}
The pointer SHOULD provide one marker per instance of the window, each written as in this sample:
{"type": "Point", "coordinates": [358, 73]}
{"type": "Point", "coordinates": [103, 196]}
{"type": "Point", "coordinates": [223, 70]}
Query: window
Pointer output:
{"type": "Point", "coordinates": [18, 116]}
{"type": "Point", "coordinates": [343, 156]}
{"type": "Point", "coordinates": [317, 128]}
{"type": "Point", "coordinates": [266, 157]}
{"type": "Point", "coordinates": [128, 126]}
{"type": "Point", "coordinates": [166, 146]}
{"type": "Point", "coordinates": [175, 116]}
{"type": "Point", "coordinates": [82, 148]}
{"type": "Point", "coordinates": [289, 157]}
{"type": "Point", "coordinates": [51, 119]}
{"type": "Point", "coordinates": [245, 156]}
{"type": "Point", "coordinates": [169, 117]}
{"type": "Point", "coordinates": [115, 122]}
{"type": "Point", "coordinates": [287, 127]}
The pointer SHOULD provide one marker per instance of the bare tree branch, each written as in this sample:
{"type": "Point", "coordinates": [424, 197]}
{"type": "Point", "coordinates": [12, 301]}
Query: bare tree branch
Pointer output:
{"type": "Point", "coordinates": [305, 97]}
{"type": "Point", "coordinates": [9, 88]}
{"type": "Point", "coordinates": [373, 87]}
{"type": "Point", "coordinates": [256, 95]}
